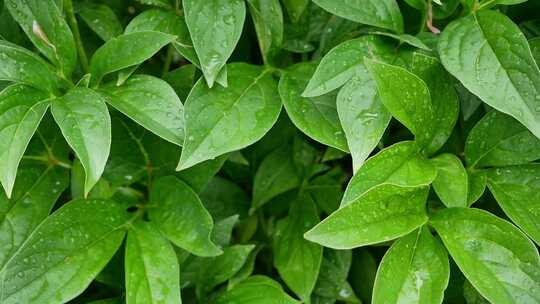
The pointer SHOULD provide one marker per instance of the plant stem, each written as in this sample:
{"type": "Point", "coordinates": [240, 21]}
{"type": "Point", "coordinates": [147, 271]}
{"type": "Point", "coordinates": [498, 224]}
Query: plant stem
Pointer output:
{"type": "Point", "coordinates": [72, 21]}
{"type": "Point", "coordinates": [168, 60]}
{"type": "Point", "coordinates": [424, 19]}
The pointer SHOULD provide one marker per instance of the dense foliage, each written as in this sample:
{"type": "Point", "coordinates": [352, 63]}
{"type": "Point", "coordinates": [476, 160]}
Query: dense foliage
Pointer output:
{"type": "Point", "coordinates": [269, 151]}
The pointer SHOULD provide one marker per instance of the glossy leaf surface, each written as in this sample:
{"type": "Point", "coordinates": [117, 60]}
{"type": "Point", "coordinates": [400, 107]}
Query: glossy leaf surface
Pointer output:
{"type": "Point", "coordinates": [179, 209]}
{"type": "Point", "coordinates": [215, 27]}
{"type": "Point", "coordinates": [497, 64]}
{"type": "Point", "coordinates": [296, 259]}
{"type": "Point", "coordinates": [516, 190]}
{"type": "Point", "coordinates": [414, 270]}
{"type": "Point", "coordinates": [496, 257]}
{"type": "Point", "coordinates": [83, 117]}
{"type": "Point", "coordinates": [260, 289]}
{"type": "Point", "coordinates": [400, 165]}
{"type": "Point", "coordinates": [382, 214]}
{"type": "Point", "coordinates": [317, 117]}
{"type": "Point", "coordinates": [65, 253]}
{"type": "Point", "coordinates": [126, 50]}
{"type": "Point", "coordinates": [451, 184]}
{"type": "Point", "coordinates": [368, 12]}
{"type": "Point", "coordinates": [22, 109]}
{"type": "Point", "coordinates": [152, 271]}
{"type": "Point", "coordinates": [213, 115]}
{"type": "Point", "coordinates": [152, 103]}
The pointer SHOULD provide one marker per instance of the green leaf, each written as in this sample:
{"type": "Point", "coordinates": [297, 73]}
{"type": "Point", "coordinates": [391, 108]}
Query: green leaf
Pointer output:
{"type": "Point", "coordinates": [415, 270]}
{"type": "Point", "coordinates": [327, 189]}
{"type": "Point", "coordinates": [490, 3]}
{"type": "Point", "coordinates": [499, 140]}
{"type": "Point", "coordinates": [224, 198]}
{"type": "Point", "coordinates": [48, 145]}
{"type": "Point", "coordinates": [178, 209]}
{"type": "Point", "coordinates": [471, 295]}
{"type": "Point", "coordinates": [256, 289]}
{"type": "Point", "coordinates": [22, 66]}
{"type": "Point", "coordinates": [297, 260]}
{"type": "Point", "coordinates": [295, 8]}
{"type": "Point", "coordinates": [380, 13]}
{"type": "Point", "coordinates": [126, 50]}
{"type": "Point", "coordinates": [215, 32]}
{"type": "Point", "coordinates": [222, 233]}
{"type": "Point", "coordinates": [469, 103]}
{"type": "Point", "coordinates": [35, 193]}
{"type": "Point", "coordinates": [108, 301]}
{"type": "Point", "coordinates": [83, 117]}
{"type": "Point", "coordinates": [43, 23]}
{"type": "Point", "coordinates": [220, 120]}
{"type": "Point", "coordinates": [332, 154]}
{"type": "Point", "coordinates": [168, 22]}
{"type": "Point", "coordinates": [317, 117]}
{"type": "Point", "coordinates": [181, 80]}
{"type": "Point", "coordinates": [451, 184]}
{"type": "Point", "coordinates": [9, 29]}
{"type": "Point", "coordinates": [198, 176]}
{"type": "Point", "coordinates": [407, 97]}
{"type": "Point", "coordinates": [400, 164]}
{"type": "Point", "coordinates": [152, 271]}
{"type": "Point", "coordinates": [152, 103]}
{"type": "Point", "coordinates": [535, 49]}
{"type": "Point", "coordinates": [276, 174]}
{"type": "Point", "coordinates": [418, 4]}
{"type": "Point", "coordinates": [345, 61]}
{"type": "Point", "coordinates": [363, 116]}
{"type": "Point", "coordinates": [102, 189]}
{"type": "Point", "coordinates": [517, 190]}
{"type": "Point", "coordinates": [382, 214]}
{"type": "Point", "coordinates": [129, 158]}
{"type": "Point", "coordinates": [21, 110]}
{"type": "Point", "coordinates": [444, 99]}
{"type": "Point", "coordinates": [246, 270]}
{"type": "Point", "coordinates": [507, 78]}
{"type": "Point", "coordinates": [65, 253]}
{"type": "Point", "coordinates": [158, 3]}
{"type": "Point", "coordinates": [477, 185]}
{"type": "Point", "coordinates": [221, 268]}
{"type": "Point", "coordinates": [332, 282]}
{"type": "Point", "coordinates": [101, 19]}
{"type": "Point", "coordinates": [496, 257]}
{"type": "Point", "coordinates": [268, 20]}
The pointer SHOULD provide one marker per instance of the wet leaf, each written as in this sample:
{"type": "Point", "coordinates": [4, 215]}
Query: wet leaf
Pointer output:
{"type": "Point", "coordinates": [21, 111]}
{"type": "Point", "coordinates": [212, 115]}
{"type": "Point", "coordinates": [382, 214]}
{"type": "Point", "coordinates": [178, 209]}
{"type": "Point", "coordinates": [516, 190]}
{"type": "Point", "coordinates": [317, 117]}
{"type": "Point", "coordinates": [368, 12]}
{"type": "Point", "coordinates": [497, 64]}
{"type": "Point", "coordinates": [414, 269]}
{"type": "Point", "coordinates": [83, 117]}
{"type": "Point", "coordinates": [65, 253]}
{"type": "Point", "coordinates": [496, 257]}
{"type": "Point", "coordinates": [215, 27]}
{"type": "Point", "coordinates": [152, 271]}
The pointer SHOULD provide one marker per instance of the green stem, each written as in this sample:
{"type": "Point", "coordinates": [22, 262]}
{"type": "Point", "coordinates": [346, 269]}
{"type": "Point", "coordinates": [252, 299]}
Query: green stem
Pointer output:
{"type": "Point", "coordinates": [72, 21]}
{"type": "Point", "coordinates": [424, 19]}
{"type": "Point", "coordinates": [479, 6]}
{"type": "Point", "coordinates": [168, 60]}
{"type": "Point", "coordinates": [48, 160]}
